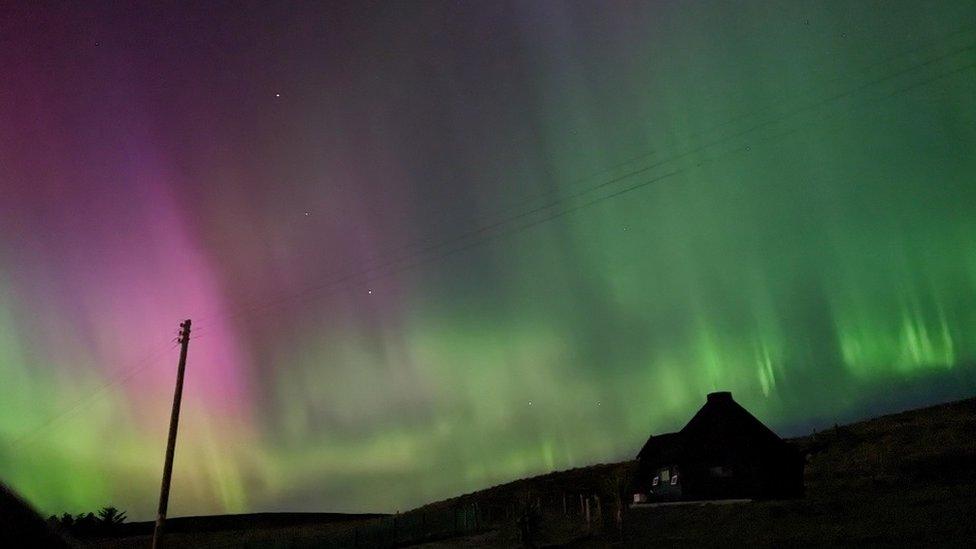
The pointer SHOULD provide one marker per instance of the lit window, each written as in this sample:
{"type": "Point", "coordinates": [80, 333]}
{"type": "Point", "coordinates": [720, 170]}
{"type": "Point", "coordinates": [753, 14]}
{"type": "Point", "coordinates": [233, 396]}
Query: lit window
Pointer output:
{"type": "Point", "coordinates": [674, 479]}
{"type": "Point", "coordinates": [656, 481]}
{"type": "Point", "coordinates": [665, 475]}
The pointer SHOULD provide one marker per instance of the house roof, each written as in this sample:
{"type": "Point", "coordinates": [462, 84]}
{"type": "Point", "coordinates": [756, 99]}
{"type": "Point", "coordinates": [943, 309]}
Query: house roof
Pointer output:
{"type": "Point", "coordinates": [662, 447]}
{"type": "Point", "coordinates": [719, 423]}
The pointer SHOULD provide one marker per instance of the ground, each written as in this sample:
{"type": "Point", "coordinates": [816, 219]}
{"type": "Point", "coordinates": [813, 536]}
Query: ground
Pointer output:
{"type": "Point", "coordinates": [907, 479]}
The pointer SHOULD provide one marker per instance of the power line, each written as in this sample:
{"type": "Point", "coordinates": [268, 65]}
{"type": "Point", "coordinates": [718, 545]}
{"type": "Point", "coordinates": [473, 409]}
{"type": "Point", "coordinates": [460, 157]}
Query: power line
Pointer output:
{"type": "Point", "coordinates": [645, 183]}
{"type": "Point", "coordinates": [582, 193]}
{"type": "Point", "coordinates": [484, 238]}
{"type": "Point", "coordinates": [119, 378]}
{"type": "Point", "coordinates": [807, 86]}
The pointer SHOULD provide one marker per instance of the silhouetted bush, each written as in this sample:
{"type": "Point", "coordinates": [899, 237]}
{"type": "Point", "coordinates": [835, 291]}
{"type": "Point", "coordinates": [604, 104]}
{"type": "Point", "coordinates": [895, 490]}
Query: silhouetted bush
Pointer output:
{"type": "Point", "coordinates": [88, 524]}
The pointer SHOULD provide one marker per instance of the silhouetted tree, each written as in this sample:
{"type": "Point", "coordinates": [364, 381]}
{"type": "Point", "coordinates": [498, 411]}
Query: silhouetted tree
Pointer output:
{"type": "Point", "coordinates": [65, 521]}
{"type": "Point", "coordinates": [88, 524]}
{"type": "Point", "coordinates": [85, 524]}
{"type": "Point", "coordinates": [110, 516]}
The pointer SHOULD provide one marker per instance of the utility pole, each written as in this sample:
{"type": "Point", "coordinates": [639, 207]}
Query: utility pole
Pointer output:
{"type": "Point", "coordinates": [174, 421]}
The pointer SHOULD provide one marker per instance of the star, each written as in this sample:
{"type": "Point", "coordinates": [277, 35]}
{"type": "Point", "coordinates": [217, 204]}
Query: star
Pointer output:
{"type": "Point", "coordinates": [306, 214]}
{"type": "Point", "coordinates": [277, 95]}
{"type": "Point", "coordinates": [530, 403]}
{"type": "Point", "coordinates": [370, 292]}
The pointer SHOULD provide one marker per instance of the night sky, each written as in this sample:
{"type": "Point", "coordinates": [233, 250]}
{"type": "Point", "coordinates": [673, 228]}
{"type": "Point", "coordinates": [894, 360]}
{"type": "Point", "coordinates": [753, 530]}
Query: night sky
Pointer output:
{"type": "Point", "coordinates": [431, 247]}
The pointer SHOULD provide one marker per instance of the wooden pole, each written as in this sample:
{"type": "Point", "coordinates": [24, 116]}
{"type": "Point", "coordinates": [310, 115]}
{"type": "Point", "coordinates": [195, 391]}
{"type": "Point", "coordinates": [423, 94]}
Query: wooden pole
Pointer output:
{"type": "Point", "coordinates": [174, 421]}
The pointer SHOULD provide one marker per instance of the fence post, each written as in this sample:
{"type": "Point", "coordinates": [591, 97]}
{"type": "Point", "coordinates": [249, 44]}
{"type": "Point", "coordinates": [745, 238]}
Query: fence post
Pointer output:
{"type": "Point", "coordinates": [620, 515]}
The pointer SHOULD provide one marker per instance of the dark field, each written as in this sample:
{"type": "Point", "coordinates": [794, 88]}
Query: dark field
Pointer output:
{"type": "Point", "coordinates": [907, 479]}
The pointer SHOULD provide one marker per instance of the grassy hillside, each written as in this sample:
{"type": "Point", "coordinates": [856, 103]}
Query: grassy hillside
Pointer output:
{"type": "Point", "coordinates": [246, 530]}
{"type": "Point", "coordinates": [902, 479]}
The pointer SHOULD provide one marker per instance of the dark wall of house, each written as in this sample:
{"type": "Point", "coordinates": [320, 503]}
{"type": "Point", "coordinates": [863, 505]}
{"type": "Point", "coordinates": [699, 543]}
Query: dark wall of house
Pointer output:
{"type": "Point", "coordinates": [733, 469]}
{"type": "Point", "coordinates": [725, 474]}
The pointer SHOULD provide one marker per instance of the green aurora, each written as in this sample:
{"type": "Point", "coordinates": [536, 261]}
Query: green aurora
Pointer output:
{"type": "Point", "coordinates": [642, 202]}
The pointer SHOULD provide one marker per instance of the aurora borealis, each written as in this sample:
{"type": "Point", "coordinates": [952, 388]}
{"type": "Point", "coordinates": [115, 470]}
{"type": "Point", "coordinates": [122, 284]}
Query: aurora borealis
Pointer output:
{"type": "Point", "coordinates": [431, 247]}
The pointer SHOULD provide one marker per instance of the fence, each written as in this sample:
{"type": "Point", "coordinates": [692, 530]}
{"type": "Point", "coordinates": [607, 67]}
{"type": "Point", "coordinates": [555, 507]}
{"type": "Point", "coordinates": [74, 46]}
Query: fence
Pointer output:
{"type": "Point", "coordinates": [519, 516]}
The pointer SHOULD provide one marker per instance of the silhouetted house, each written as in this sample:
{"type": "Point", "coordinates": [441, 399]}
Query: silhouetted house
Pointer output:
{"type": "Point", "coordinates": [724, 452]}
